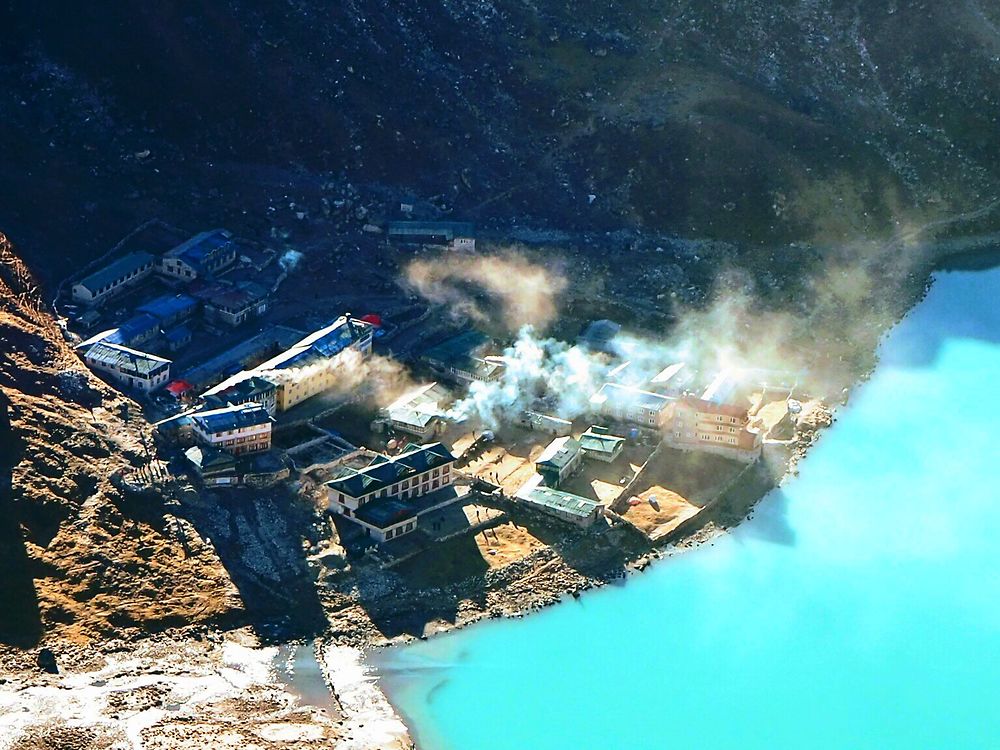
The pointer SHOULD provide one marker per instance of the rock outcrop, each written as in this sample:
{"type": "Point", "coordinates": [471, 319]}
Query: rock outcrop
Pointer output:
{"type": "Point", "coordinates": [77, 556]}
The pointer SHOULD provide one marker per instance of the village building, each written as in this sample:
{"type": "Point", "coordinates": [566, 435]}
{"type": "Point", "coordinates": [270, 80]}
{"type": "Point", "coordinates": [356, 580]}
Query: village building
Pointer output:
{"type": "Point", "coordinates": [632, 405]}
{"type": "Point", "coordinates": [717, 428]}
{"type": "Point", "coordinates": [234, 304]}
{"type": "Point", "coordinates": [464, 358]}
{"type": "Point", "coordinates": [672, 380]}
{"type": "Point", "coordinates": [113, 278]}
{"type": "Point", "coordinates": [376, 496]}
{"type": "Point", "coordinates": [175, 430]}
{"type": "Point", "coordinates": [129, 367]}
{"type": "Point", "coordinates": [417, 412]}
{"type": "Point", "coordinates": [170, 309]}
{"type": "Point", "coordinates": [203, 255]}
{"type": "Point", "coordinates": [565, 506]}
{"type": "Point", "coordinates": [559, 460]}
{"type": "Point", "coordinates": [310, 366]}
{"type": "Point", "coordinates": [136, 331]}
{"type": "Point", "coordinates": [240, 429]}
{"type": "Point", "coordinates": [722, 387]}
{"type": "Point", "coordinates": [458, 235]}
{"type": "Point", "coordinates": [386, 519]}
{"type": "Point", "coordinates": [177, 338]}
{"type": "Point", "coordinates": [253, 390]}
{"type": "Point", "coordinates": [533, 420]}
{"type": "Point", "coordinates": [597, 442]}
{"type": "Point", "coordinates": [213, 466]}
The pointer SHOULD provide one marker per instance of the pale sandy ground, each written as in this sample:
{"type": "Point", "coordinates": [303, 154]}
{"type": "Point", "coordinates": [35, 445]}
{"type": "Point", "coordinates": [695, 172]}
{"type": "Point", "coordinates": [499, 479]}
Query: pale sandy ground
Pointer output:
{"type": "Point", "coordinates": [162, 695]}
{"type": "Point", "coordinates": [506, 543]}
{"type": "Point", "coordinates": [673, 510]}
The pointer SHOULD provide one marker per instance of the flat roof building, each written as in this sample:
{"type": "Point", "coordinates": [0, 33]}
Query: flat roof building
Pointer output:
{"type": "Point", "coordinates": [717, 428]}
{"type": "Point", "coordinates": [113, 278]}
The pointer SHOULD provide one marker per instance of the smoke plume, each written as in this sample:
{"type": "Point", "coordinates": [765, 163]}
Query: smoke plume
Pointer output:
{"type": "Point", "coordinates": [289, 260]}
{"type": "Point", "coordinates": [526, 292]}
{"type": "Point", "coordinates": [377, 378]}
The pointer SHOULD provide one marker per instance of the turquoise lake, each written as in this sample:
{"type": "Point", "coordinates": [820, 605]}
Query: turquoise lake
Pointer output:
{"type": "Point", "coordinates": [858, 608]}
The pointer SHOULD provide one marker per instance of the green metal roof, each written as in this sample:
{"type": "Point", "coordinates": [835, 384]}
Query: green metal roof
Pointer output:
{"type": "Point", "coordinates": [597, 440]}
{"type": "Point", "coordinates": [562, 501]}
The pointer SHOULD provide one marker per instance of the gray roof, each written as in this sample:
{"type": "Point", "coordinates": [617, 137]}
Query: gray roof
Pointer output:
{"type": "Point", "coordinates": [125, 360]}
{"type": "Point", "coordinates": [623, 395]}
{"type": "Point", "coordinates": [457, 350]}
{"type": "Point", "coordinates": [210, 460]}
{"type": "Point", "coordinates": [562, 501]}
{"type": "Point", "coordinates": [117, 270]}
{"type": "Point", "coordinates": [558, 454]}
{"type": "Point", "coordinates": [445, 229]}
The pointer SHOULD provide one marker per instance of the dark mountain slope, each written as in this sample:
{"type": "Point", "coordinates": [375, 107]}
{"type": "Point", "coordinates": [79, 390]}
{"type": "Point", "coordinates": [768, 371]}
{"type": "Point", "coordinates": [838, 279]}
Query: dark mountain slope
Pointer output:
{"type": "Point", "coordinates": [748, 121]}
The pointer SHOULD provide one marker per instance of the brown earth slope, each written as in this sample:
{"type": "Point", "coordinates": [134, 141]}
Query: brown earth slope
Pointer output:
{"type": "Point", "coordinates": [78, 557]}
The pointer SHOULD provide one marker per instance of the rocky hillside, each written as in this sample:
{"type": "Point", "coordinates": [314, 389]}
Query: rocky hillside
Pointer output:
{"type": "Point", "coordinates": [78, 556]}
{"type": "Point", "coordinates": [752, 122]}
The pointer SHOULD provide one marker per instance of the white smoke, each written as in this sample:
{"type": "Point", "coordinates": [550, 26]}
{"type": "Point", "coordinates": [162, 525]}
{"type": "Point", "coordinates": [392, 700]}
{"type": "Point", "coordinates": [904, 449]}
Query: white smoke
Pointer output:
{"type": "Point", "coordinates": [525, 292]}
{"type": "Point", "coordinates": [290, 260]}
{"type": "Point", "coordinates": [351, 373]}
{"type": "Point", "coordinates": [561, 375]}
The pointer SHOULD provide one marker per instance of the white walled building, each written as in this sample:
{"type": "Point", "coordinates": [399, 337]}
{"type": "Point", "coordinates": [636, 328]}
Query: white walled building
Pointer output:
{"type": "Point", "coordinates": [113, 278]}
{"type": "Point", "coordinates": [240, 429]}
{"type": "Point", "coordinates": [633, 405]}
{"type": "Point", "coordinates": [129, 367]}
{"type": "Point", "coordinates": [375, 496]}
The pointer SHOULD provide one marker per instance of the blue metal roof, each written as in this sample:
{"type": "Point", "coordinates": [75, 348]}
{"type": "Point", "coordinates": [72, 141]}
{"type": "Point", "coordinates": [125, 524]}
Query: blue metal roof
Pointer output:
{"type": "Point", "coordinates": [169, 306]}
{"type": "Point", "coordinates": [180, 333]}
{"type": "Point", "coordinates": [232, 417]}
{"type": "Point", "coordinates": [116, 270]}
{"type": "Point", "coordinates": [202, 246]}
{"type": "Point", "coordinates": [134, 328]}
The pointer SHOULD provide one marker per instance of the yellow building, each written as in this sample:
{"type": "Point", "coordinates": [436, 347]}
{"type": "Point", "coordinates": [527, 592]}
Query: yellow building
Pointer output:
{"type": "Point", "coordinates": [312, 365]}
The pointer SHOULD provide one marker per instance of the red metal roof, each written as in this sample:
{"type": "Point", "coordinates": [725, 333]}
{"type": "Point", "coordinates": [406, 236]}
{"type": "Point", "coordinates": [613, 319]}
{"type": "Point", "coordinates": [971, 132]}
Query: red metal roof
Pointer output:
{"type": "Point", "coordinates": [179, 387]}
